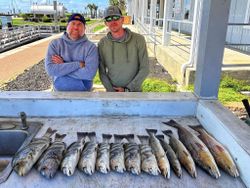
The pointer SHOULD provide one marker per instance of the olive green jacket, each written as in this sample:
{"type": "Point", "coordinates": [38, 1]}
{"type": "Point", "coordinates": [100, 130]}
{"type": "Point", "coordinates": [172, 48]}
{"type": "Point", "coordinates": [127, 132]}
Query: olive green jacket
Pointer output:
{"type": "Point", "coordinates": [123, 64]}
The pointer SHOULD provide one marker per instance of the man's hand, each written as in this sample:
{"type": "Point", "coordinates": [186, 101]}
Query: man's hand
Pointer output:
{"type": "Point", "coordinates": [119, 89]}
{"type": "Point", "coordinates": [82, 64]}
{"type": "Point", "coordinates": [57, 59]}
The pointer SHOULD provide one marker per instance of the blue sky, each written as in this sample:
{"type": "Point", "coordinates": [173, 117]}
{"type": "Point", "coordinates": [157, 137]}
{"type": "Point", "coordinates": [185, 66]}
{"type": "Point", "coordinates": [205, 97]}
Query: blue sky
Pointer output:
{"type": "Point", "coordinates": [71, 5]}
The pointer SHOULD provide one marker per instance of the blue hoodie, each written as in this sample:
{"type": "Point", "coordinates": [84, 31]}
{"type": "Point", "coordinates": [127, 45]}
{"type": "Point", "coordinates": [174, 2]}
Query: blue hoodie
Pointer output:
{"type": "Point", "coordinates": [72, 53]}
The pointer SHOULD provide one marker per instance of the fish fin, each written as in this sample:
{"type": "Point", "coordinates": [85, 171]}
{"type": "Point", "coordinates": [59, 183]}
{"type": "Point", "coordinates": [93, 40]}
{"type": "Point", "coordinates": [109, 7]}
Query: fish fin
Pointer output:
{"type": "Point", "coordinates": [171, 123]}
{"type": "Point", "coordinates": [71, 145]}
{"type": "Point", "coordinates": [49, 132]}
{"type": "Point", "coordinates": [130, 137]}
{"type": "Point", "coordinates": [144, 139]}
{"type": "Point", "coordinates": [168, 132]}
{"type": "Point", "coordinates": [118, 138]}
{"type": "Point", "coordinates": [199, 145]}
{"type": "Point", "coordinates": [151, 131]}
{"type": "Point", "coordinates": [92, 136]}
{"type": "Point", "coordinates": [59, 137]}
{"type": "Point", "coordinates": [106, 137]}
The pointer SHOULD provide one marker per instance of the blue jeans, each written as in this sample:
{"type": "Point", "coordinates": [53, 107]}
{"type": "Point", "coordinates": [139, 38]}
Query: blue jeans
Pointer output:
{"type": "Point", "coordinates": [66, 83]}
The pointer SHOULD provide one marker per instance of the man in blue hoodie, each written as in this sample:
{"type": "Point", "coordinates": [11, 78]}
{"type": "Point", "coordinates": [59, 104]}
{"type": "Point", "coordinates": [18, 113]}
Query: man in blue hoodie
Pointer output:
{"type": "Point", "coordinates": [72, 60]}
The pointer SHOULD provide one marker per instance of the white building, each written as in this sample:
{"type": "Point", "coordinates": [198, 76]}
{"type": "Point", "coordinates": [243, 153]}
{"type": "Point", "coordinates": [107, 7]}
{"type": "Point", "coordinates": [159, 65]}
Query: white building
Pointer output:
{"type": "Point", "coordinates": [49, 10]}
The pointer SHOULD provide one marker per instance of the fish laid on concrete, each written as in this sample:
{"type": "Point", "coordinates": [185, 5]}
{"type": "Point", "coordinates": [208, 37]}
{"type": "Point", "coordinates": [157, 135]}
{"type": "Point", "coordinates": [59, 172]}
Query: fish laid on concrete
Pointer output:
{"type": "Point", "coordinates": [132, 155]}
{"type": "Point", "coordinates": [88, 157]}
{"type": "Point", "coordinates": [117, 154]}
{"type": "Point", "coordinates": [174, 161]}
{"type": "Point", "coordinates": [25, 158]}
{"type": "Point", "coordinates": [197, 148]}
{"type": "Point", "coordinates": [102, 160]}
{"type": "Point", "coordinates": [221, 155]}
{"type": "Point", "coordinates": [159, 152]}
{"type": "Point", "coordinates": [182, 153]}
{"type": "Point", "coordinates": [72, 156]}
{"type": "Point", "coordinates": [148, 160]}
{"type": "Point", "coordinates": [51, 159]}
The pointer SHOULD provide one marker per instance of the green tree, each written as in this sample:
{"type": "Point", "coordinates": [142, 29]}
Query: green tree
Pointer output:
{"type": "Point", "coordinates": [120, 3]}
{"type": "Point", "coordinates": [90, 7]}
{"type": "Point", "coordinates": [95, 10]}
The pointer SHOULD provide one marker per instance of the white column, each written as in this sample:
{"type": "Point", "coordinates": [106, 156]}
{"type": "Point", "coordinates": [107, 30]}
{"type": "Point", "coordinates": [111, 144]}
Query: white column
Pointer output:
{"type": "Point", "coordinates": [168, 9]}
{"type": "Point", "coordinates": [191, 11]}
{"type": "Point", "coordinates": [129, 8]}
{"type": "Point", "coordinates": [143, 11]}
{"type": "Point", "coordinates": [146, 10]}
{"type": "Point", "coordinates": [214, 14]}
{"type": "Point", "coordinates": [161, 12]}
{"type": "Point", "coordinates": [152, 14]}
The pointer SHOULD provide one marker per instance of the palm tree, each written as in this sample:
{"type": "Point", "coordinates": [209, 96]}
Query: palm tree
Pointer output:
{"type": "Point", "coordinates": [95, 10]}
{"type": "Point", "coordinates": [90, 6]}
{"type": "Point", "coordinates": [120, 3]}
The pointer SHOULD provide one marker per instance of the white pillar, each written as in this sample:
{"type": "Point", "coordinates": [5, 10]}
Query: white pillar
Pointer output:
{"type": "Point", "coordinates": [168, 10]}
{"type": "Point", "coordinates": [161, 12]}
{"type": "Point", "coordinates": [143, 11]}
{"type": "Point", "coordinates": [191, 11]}
{"type": "Point", "coordinates": [212, 35]}
{"type": "Point", "coordinates": [152, 14]}
{"type": "Point", "coordinates": [129, 8]}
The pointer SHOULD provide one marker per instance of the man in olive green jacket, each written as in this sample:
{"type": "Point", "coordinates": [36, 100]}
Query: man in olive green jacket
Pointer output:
{"type": "Point", "coordinates": [123, 54]}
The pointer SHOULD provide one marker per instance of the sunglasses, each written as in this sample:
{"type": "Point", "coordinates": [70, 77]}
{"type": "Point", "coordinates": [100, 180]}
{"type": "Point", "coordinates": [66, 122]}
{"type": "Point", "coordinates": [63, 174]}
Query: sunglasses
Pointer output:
{"type": "Point", "coordinates": [112, 18]}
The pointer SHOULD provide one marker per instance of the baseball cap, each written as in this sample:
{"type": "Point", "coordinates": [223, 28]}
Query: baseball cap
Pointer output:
{"type": "Point", "coordinates": [78, 17]}
{"type": "Point", "coordinates": [112, 11]}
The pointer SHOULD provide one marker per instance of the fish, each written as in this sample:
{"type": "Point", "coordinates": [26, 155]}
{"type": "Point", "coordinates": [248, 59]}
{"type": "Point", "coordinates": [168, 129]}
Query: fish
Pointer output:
{"type": "Point", "coordinates": [132, 155]}
{"type": "Point", "coordinates": [27, 156]}
{"type": "Point", "coordinates": [51, 159]}
{"type": "Point", "coordinates": [148, 160]}
{"type": "Point", "coordinates": [197, 148]}
{"type": "Point", "coordinates": [103, 154]}
{"type": "Point", "coordinates": [88, 157]}
{"type": "Point", "coordinates": [182, 153]}
{"type": "Point", "coordinates": [220, 153]}
{"type": "Point", "coordinates": [159, 152]}
{"type": "Point", "coordinates": [173, 160]}
{"type": "Point", "coordinates": [117, 154]}
{"type": "Point", "coordinates": [72, 156]}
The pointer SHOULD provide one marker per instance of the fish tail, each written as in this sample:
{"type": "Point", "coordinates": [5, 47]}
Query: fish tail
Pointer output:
{"type": "Point", "coordinates": [171, 123]}
{"type": "Point", "coordinates": [49, 132]}
{"type": "Point", "coordinates": [92, 136]}
{"type": "Point", "coordinates": [106, 138]}
{"type": "Point", "coordinates": [59, 137]}
{"type": "Point", "coordinates": [130, 137]}
{"type": "Point", "coordinates": [160, 137]}
{"type": "Point", "coordinates": [82, 135]}
{"type": "Point", "coordinates": [197, 128]}
{"type": "Point", "coordinates": [168, 132]}
{"type": "Point", "coordinates": [151, 131]}
{"type": "Point", "coordinates": [144, 139]}
{"type": "Point", "coordinates": [118, 138]}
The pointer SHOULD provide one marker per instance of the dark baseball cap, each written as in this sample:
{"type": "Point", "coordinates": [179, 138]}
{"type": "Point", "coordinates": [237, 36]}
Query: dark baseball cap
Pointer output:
{"type": "Point", "coordinates": [77, 17]}
{"type": "Point", "coordinates": [112, 11]}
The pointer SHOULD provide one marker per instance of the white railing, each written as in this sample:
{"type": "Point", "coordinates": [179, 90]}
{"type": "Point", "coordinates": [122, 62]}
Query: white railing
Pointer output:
{"type": "Point", "coordinates": [17, 35]}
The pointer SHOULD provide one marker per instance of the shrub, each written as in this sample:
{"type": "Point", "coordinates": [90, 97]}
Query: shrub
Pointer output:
{"type": "Point", "coordinates": [157, 85]}
{"type": "Point", "coordinates": [46, 19]}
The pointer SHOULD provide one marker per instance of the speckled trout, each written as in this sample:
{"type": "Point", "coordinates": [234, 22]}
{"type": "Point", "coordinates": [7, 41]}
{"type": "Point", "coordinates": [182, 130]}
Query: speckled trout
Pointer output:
{"type": "Point", "coordinates": [159, 152]}
{"type": "Point", "coordinates": [51, 159]}
{"type": "Point", "coordinates": [173, 160]}
{"type": "Point", "coordinates": [148, 160]}
{"type": "Point", "coordinates": [117, 154]}
{"type": "Point", "coordinates": [88, 157]}
{"type": "Point", "coordinates": [72, 156]}
{"type": "Point", "coordinates": [197, 148]}
{"type": "Point", "coordinates": [102, 160]}
{"type": "Point", "coordinates": [25, 158]}
{"type": "Point", "coordinates": [132, 155]}
{"type": "Point", "coordinates": [182, 153]}
{"type": "Point", "coordinates": [221, 155]}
